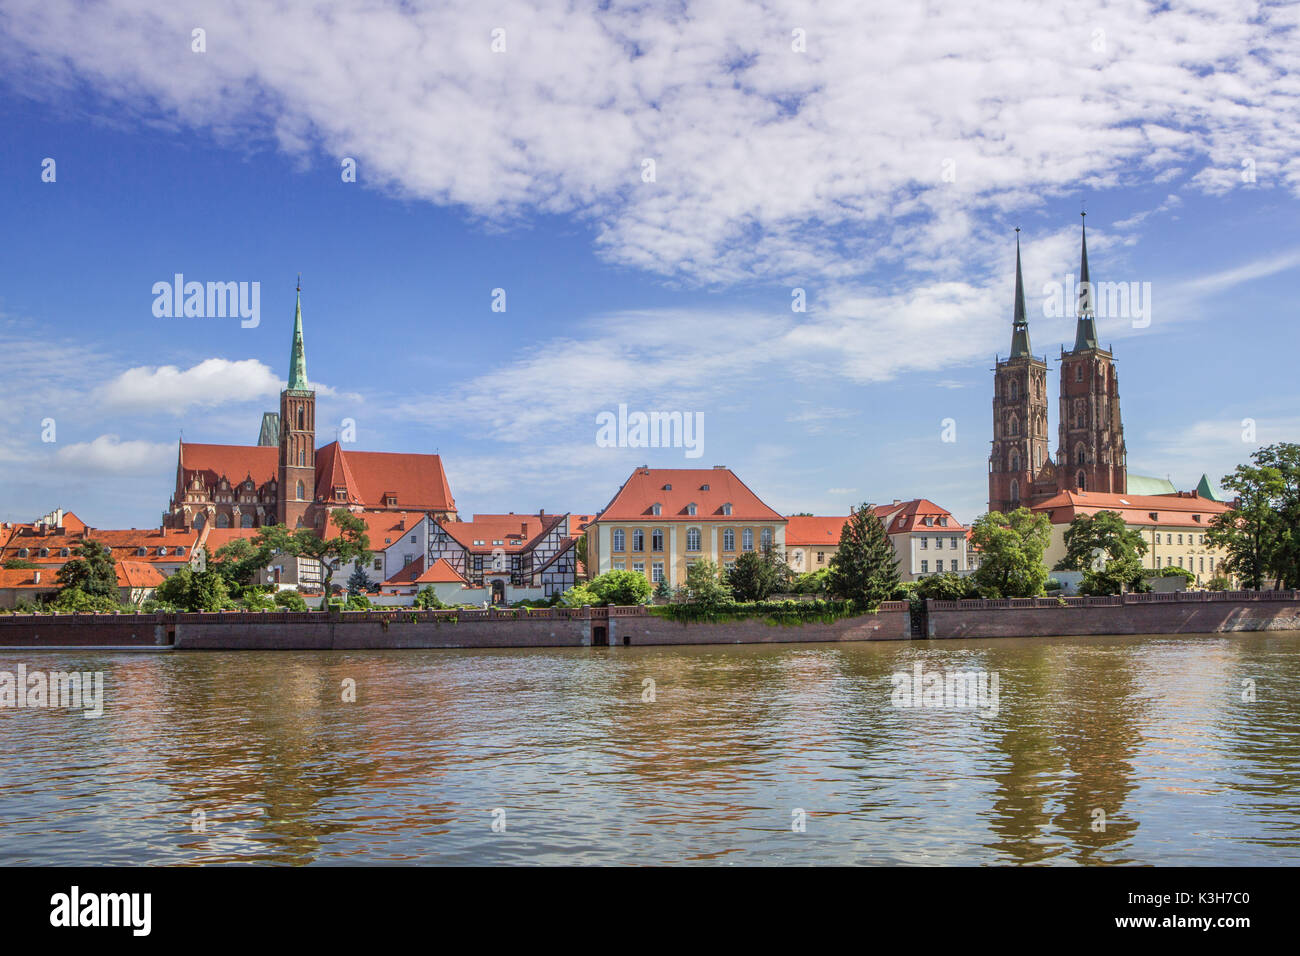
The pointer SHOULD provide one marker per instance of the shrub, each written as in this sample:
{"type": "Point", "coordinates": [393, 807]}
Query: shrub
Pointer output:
{"type": "Point", "coordinates": [290, 601]}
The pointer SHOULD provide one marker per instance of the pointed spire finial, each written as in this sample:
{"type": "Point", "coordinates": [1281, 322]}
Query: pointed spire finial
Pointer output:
{"type": "Point", "coordinates": [1019, 321]}
{"type": "Point", "coordinates": [1085, 332]}
{"type": "Point", "coordinates": [298, 354]}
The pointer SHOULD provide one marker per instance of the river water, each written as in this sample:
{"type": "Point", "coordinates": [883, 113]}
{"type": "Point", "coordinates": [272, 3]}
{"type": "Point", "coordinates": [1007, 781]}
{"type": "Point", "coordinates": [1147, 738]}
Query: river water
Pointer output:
{"type": "Point", "coordinates": [1099, 750]}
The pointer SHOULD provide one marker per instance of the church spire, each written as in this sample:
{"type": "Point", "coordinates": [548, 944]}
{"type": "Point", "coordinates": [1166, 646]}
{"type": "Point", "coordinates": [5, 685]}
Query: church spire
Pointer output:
{"type": "Point", "coordinates": [1019, 324]}
{"type": "Point", "coordinates": [1085, 333]}
{"type": "Point", "coordinates": [298, 357]}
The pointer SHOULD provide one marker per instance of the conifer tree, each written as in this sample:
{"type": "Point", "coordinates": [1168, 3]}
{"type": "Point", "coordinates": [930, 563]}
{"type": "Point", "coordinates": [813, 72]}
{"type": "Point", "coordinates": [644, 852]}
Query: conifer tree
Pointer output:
{"type": "Point", "coordinates": [864, 569]}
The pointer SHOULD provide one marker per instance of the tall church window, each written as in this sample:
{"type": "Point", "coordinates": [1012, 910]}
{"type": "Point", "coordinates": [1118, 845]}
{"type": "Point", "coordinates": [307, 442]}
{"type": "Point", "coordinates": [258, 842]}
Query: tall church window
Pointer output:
{"type": "Point", "coordinates": [302, 458]}
{"type": "Point", "coordinates": [1078, 373]}
{"type": "Point", "coordinates": [1015, 462]}
{"type": "Point", "coordinates": [1079, 456]}
{"type": "Point", "coordinates": [301, 420]}
{"type": "Point", "coordinates": [245, 521]}
{"type": "Point", "coordinates": [302, 491]}
{"type": "Point", "coordinates": [223, 520]}
{"type": "Point", "coordinates": [1082, 481]}
{"type": "Point", "coordinates": [1015, 491]}
{"type": "Point", "coordinates": [1015, 390]}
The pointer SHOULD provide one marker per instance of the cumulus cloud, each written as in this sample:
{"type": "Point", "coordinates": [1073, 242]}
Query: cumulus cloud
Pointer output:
{"type": "Point", "coordinates": [884, 139]}
{"type": "Point", "coordinates": [108, 453]}
{"type": "Point", "coordinates": [212, 382]}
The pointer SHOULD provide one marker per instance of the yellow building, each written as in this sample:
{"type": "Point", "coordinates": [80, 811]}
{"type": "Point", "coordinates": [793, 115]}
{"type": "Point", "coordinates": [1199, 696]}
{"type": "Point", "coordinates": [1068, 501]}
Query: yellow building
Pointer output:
{"type": "Point", "coordinates": [1173, 527]}
{"type": "Point", "coordinates": [663, 520]}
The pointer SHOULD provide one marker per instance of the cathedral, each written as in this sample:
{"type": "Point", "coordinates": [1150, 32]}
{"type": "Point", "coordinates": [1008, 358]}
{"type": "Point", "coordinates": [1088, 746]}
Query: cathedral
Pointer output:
{"type": "Point", "coordinates": [1090, 452]}
{"type": "Point", "coordinates": [285, 479]}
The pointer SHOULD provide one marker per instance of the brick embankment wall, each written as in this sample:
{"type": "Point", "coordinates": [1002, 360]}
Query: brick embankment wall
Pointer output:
{"type": "Point", "coordinates": [890, 623]}
{"type": "Point", "coordinates": [82, 630]}
{"type": "Point", "coordinates": [1192, 612]}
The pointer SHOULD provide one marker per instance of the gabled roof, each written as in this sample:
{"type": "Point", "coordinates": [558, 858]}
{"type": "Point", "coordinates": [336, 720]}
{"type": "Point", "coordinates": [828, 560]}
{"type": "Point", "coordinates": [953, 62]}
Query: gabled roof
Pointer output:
{"type": "Point", "coordinates": [1177, 510]}
{"type": "Point", "coordinates": [676, 488]}
{"type": "Point", "coordinates": [233, 462]}
{"type": "Point", "coordinates": [26, 578]}
{"type": "Point", "coordinates": [123, 543]}
{"type": "Point", "coordinates": [509, 532]}
{"type": "Point", "coordinates": [911, 516]}
{"type": "Point", "coordinates": [415, 573]}
{"type": "Point", "coordinates": [418, 482]}
{"type": "Point", "coordinates": [383, 528]}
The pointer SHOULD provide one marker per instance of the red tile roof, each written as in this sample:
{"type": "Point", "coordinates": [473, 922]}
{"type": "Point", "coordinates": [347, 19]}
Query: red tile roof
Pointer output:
{"type": "Point", "coordinates": [417, 481]}
{"type": "Point", "coordinates": [907, 516]}
{"type": "Point", "coordinates": [1177, 510]}
{"type": "Point", "coordinates": [383, 528]}
{"type": "Point", "coordinates": [810, 531]}
{"type": "Point", "coordinates": [234, 462]}
{"type": "Point", "coordinates": [26, 578]}
{"type": "Point", "coordinates": [137, 574]}
{"type": "Point", "coordinates": [515, 532]}
{"type": "Point", "coordinates": [414, 573]}
{"type": "Point", "coordinates": [675, 488]}
{"type": "Point", "coordinates": [124, 544]}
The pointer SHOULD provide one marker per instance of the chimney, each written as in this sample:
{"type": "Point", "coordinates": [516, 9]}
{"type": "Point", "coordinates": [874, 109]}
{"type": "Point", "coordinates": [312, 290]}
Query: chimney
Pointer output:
{"type": "Point", "coordinates": [523, 528]}
{"type": "Point", "coordinates": [36, 577]}
{"type": "Point", "coordinates": [896, 502]}
{"type": "Point", "coordinates": [401, 524]}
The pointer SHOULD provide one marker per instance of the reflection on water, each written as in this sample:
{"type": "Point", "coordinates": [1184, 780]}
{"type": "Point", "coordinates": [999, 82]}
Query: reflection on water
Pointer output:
{"type": "Point", "coordinates": [1112, 750]}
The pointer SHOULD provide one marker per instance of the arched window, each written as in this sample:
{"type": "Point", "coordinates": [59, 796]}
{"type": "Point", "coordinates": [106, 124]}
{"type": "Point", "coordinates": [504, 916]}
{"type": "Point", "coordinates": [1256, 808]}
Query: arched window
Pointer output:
{"type": "Point", "coordinates": [747, 539]}
{"type": "Point", "coordinates": [656, 508]}
{"type": "Point", "coordinates": [1013, 426]}
{"type": "Point", "coordinates": [302, 458]}
{"type": "Point", "coordinates": [245, 521]}
{"type": "Point", "coordinates": [638, 540]}
{"type": "Point", "coordinates": [1083, 481]}
{"type": "Point", "coordinates": [1080, 457]}
{"type": "Point", "coordinates": [301, 420]}
{"type": "Point", "coordinates": [729, 539]}
{"type": "Point", "coordinates": [223, 520]}
{"type": "Point", "coordinates": [692, 539]}
{"type": "Point", "coordinates": [657, 539]}
{"type": "Point", "coordinates": [1015, 390]}
{"type": "Point", "coordinates": [690, 509]}
{"type": "Point", "coordinates": [766, 538]}
{"type": "Point", "coordinates": [199, 520]}
{"type": "Point", "coordinates": [1015, 491]}
{"type": "Point", "coordinates": [1015, 462]}
{"type": "Point", "coordinates": [302, 491]}
{"type": "Point", "coordinates": [619, 539]}
{"type": "Point", "coordinates": [726, 508]}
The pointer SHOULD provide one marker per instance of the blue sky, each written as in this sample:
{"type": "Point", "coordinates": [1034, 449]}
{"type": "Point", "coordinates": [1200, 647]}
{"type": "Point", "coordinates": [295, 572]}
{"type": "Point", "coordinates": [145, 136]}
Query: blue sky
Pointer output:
{"type": "Point", "coordinates": [823, 169]}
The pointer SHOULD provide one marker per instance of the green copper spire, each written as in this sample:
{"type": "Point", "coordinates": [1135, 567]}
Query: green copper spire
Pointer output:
{"type": "Point", "coordinates": [1019, 324]}
{"type": "Point", "coordinates": [298, 357]}
{"type": "Point", "coordinates": [1085, 332]}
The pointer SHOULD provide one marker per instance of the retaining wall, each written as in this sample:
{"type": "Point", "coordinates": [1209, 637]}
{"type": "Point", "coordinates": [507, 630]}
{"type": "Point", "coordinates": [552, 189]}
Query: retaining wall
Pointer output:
{"type": "Point", "coordinates": [1187, 612]}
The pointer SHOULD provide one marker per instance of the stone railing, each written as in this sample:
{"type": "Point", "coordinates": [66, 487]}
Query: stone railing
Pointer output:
{"type": "Point", "coordinates": [386, 615]}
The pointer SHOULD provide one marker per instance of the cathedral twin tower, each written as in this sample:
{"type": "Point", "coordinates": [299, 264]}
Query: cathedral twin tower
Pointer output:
{"type": "Point", "coordinates": [1090, 445]}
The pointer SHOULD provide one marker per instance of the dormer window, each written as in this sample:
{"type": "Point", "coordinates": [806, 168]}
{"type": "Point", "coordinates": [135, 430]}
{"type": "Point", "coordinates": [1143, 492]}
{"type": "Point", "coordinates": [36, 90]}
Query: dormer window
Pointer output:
{"type": "Point", "coordinates": [704, 487]}
{"type": "Point", "coordinates": [64, 552]}
{"type": "Point", "coordinates": [141, 552]}
{"type": "Point", "coordinates": [668, 487]}
{"type": "Point", "coordinates": [943, 522]}
{"type": "Point", "coordinates": [23, 552]}
{"type": "Point", "coordinates": [726, 508]}
{"type": "Point", "coordinates": [656, 509]}
{"type": "Point", "coordinates": [1196, 517]}
{"type": "Point", "coordinates": [1153, 515]}
{"type": "Point", "coordinates": [43, 553]}
{"type": "Point", "coordinates": [180, 551]}
{"type": "Point", "coordinates": [690, 509]}
{"type": "Point", "coordinates": [162, 552]}
{"type": "Point", "coordinates": [390, 501]}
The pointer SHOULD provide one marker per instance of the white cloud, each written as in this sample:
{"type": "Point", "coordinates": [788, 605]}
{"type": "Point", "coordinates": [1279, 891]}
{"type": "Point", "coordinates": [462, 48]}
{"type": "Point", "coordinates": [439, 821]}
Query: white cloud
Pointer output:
{"type": "Point", "coordinates": [212, 382]}
{"type": "Point", "coordinates": [769, 162]}
{"type": "Point", "coordinates": [108, 453]}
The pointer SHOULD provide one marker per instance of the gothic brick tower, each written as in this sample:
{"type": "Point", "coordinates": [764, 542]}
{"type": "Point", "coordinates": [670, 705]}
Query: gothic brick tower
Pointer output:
{"type": "Point", "coordinates": [1020, 444]}
{"type": "Point", "coordinates": [1090, 455]}
{"type": "Point", "coordinates": [297, 472]}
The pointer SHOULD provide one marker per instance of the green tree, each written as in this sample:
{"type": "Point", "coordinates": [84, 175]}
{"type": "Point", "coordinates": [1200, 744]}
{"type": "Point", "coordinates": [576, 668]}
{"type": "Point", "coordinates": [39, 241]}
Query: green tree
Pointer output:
{"type": "Point", "coordinates": [427, 599]}
{"type": "Point", "coordinates": [290, 601]}
{"type": "Point", "coordinates": [864, 569]}
{"type": "Point", "coordinates": [358, 581]}
{"type": "Point", "coordinates": [190, 590]}
{"type": "Point", "coordinates": [811, 582]}
{"type": "Point", "coordinates": [707, 584]}
{"type": "Point", "coordinates": [239, 560]}
{"type": "Point", "coordinates": [76, 601]}
{"type": "Point", "coordinates": [612, 587]}
{"type": "Point", "coordinates": [1011, 551]}
{"type": "Point", "coordinates": [20, 564]}
{"type": "Point", "coordinates": [755, 575]}
{"type": "Point", "coordinates": [1284, 559]}
{"type": "Point", "coordinates": [1250, 534]}
{"type": "Point", "coordinates": [948, 586]}
{"type": "Point", "coordinates": [93, 571]}
{"type": "Point", "coordinates": [1107, 551]}
{"type": "Point", "coordinates": [352, 543]}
